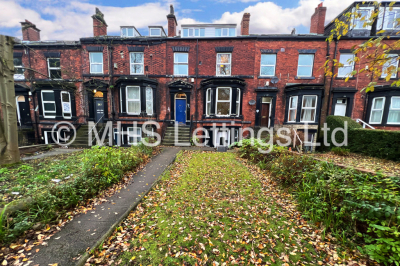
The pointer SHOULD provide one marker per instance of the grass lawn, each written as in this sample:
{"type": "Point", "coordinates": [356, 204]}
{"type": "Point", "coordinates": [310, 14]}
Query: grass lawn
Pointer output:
{"type": "Point", "coordinates": [383, 166]}
{"type": "Point", "coordinates": [27, 178]}
{"type": "Point", "coordinates": [213, 209]}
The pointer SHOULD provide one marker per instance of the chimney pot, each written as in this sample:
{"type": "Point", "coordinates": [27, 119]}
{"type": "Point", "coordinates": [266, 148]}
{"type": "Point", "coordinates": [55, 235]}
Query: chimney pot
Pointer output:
{"type": "Point", "coordinates": [318, 20]}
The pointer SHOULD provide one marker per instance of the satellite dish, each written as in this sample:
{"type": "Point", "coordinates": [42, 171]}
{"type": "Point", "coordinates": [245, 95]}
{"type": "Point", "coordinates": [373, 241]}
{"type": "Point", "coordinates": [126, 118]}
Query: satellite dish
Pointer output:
{"type": "Point", "coordinates": [252, 102]}
{"type": "Point", "coordinates": [274, 80]}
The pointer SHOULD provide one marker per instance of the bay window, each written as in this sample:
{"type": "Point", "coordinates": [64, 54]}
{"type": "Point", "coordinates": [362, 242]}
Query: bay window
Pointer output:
{"type": "Point", "coordinates": [137, 63]}
{"type": "Point", "coordinates": [66, 104]}
{"type": "Point", "coordinates": [378, 104]}
{"type": "Point", "coordinates": [208, 102]}
{"type": "Point", "coordinates": [394, 111]}
{"type": "Point", "coordinates": [237, 102]}
{"type": "Point", "coordinates": [292, 109]}
{"type": "Point", "coordinates": [133, 99]}
{"type": "Point", "coordinates": [48, 104]}
{"type": "Point", "coordinates": [308, 108]}
{"type": "Point", "coordinates": [223, 101]}
{"type": "Point", "coordinates": [149, 100]}
{"type": "Point", "coordinates": [96, 63]}
{"type": "Point", "coordinates": [224, 64]}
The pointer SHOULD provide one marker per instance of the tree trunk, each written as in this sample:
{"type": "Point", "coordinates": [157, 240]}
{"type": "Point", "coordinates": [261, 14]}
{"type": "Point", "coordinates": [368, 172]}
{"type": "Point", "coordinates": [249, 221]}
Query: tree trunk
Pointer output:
{"type": "Point", "coordinates": [9, 152]}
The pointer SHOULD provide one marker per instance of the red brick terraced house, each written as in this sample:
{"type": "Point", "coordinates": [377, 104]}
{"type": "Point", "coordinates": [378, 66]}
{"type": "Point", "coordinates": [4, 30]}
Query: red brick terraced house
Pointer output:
{"type": "Point", "coordinates": [207, 74]}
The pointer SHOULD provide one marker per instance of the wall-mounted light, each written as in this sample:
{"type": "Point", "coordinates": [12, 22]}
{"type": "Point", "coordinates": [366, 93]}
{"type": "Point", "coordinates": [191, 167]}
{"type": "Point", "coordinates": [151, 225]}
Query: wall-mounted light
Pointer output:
{"type": "Point", "coordinates": [94, 91]}
{"type": "Point", "coordinates": [257, 111]}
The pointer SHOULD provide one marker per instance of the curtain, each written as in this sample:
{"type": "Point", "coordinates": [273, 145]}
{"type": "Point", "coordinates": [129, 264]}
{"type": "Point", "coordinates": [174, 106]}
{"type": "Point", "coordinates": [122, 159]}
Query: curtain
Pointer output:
{"type": "Point", "coordinates": [394, 112]}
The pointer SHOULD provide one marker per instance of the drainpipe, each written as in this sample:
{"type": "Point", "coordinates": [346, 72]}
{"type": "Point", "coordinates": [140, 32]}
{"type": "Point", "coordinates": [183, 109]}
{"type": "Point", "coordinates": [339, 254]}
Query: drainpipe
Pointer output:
{"type": "Point", "coordinates": [331, 83]}
{"type": "Point", "coordinates": [33, 99]}
{"type": "Point", "coordinates": [196, 113]}
{"type": "Point", "coordinates": [111, 82]}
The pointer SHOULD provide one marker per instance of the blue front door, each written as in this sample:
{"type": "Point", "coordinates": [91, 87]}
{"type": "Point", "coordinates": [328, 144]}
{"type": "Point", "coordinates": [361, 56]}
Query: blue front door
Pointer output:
{"type": "Point", "coordinates": [180, 111]}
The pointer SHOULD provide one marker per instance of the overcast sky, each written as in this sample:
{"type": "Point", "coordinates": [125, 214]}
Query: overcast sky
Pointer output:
{"type": "Point", "coordinates": [70, 20]}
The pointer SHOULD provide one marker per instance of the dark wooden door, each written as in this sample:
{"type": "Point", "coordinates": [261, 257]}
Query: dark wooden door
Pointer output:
{"type": "Point", "coordinates": [99, 110]}
{"type": "Point", "coordinates": [265, 114]}
{"type": "Point", "coordinates": [25, 116]}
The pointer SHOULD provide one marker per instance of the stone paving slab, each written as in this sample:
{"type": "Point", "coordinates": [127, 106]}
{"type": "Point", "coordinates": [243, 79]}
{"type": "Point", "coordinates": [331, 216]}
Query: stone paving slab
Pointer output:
{"type": "Point", "coordinates": [86, 229]}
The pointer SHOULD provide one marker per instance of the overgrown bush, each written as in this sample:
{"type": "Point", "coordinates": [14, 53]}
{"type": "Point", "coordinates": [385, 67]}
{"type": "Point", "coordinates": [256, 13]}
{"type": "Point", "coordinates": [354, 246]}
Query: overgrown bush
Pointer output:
{"type": "Point", "coordinates": [357, 208]}
{"type": "Point", "coordinates": [334, 122]}
{"type": "Point", "coordinates": [101, 167]}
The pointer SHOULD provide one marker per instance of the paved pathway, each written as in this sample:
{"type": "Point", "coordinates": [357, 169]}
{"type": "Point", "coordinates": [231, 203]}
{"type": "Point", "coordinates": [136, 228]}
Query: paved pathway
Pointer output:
{"type": "Point", "coordinates": [86, 229]}
{"type": "Point", "coordinates": [52, 152]}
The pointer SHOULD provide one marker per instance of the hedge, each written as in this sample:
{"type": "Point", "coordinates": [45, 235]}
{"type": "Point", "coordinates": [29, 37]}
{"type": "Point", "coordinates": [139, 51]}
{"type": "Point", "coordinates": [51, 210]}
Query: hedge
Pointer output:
{"type": "Point", "coordinates": [334, 122]}
{"type": "Point", "coordinates": [383, 144]}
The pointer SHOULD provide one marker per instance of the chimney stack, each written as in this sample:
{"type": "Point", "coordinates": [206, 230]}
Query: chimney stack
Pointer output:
{"type": "Point", "coordinates": [245, 24]}
{"type": "Point", "coordinates": [99, 24]}
{"type": "Point", "coordinates": [318, 20]}
{"type": "Point", "coordinates": [29, 31]}
{"type": "Point", "coordinates": [172, 23]}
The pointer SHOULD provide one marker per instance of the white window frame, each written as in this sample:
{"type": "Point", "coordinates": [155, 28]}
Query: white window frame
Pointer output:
{"type": "Point", "coordinates": [230, 65]}
{"type": "Point", "coordinates": [372, 110]}
{"type": "Point", "coordinates": [62, 104]}
{"type": "Point", "coordinates": [91, 63]}
{"type": "Point", "coordinates": [19, 76]}
{"type": "Point", "coordinates": [194, 32]}
{"type": "Point", "coordinates": [208, 102]}
{"type": "Point", "coordinates": [292, 108]}
{"type": "Point", "coordinates": [395, 9]}
{"type": "Point", "coordinates": [132, 100]}
{"type": "Point", "coordinates": [261, 65]}
{"type": "Point", "coordinates": [370, 9]}
{"type": "Point", "coordinates": [237, 102]}
{"type": "Point", "coordinates": [393, 109]}
{"type": "Point", "coordinates": [54, 68]}
{"type": "Point", "coordinates": [309, 108]}
{"type": "Point", "coordinates": [131, 135]}
{"type": "Point", "coordinates": [227, 30]}
{"type": "Point", "coordinates": [132, 64]}
{"type": "Point", "coordinates": [126, 29]}
{"type": "Point", "coordinates": [116, 133]}
{"type": "Point", "coordinates": [311, 66]}
{"type": "Point", "coordinates": [155, 34]}
{"type": "Point", "coordinates": [149, 100]}
{"type": "Point", "coordinates": [54, 102]}
{"type": "Point", "coordinates": [46, 138]}
{"type": "Point", "coordinates": [181, 63]}
{"type": "Point", "coordinates": [385, 66]}
{"type": "Point", "coordinates": [223, 101]}
{"type": "Point", "coordinates": [346, 64]}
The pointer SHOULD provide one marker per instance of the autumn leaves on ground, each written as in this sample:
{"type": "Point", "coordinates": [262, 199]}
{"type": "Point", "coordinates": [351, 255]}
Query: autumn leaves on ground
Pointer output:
{"type": "Point", "coordinates": [212, 209]}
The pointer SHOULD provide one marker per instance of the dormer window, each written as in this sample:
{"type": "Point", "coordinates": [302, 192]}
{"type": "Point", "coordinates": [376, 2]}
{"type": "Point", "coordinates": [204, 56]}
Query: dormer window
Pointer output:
{"type": "Point", "coordinates": [129, 32]}
{"type": "Point", "coordinates": [225, 32]}
{"type": "Point", "coordinates": [194, 32]}
{"type": "Point", "coordinates": [155, 32]}
{"type": "Point", "coordinates": [363, 16]}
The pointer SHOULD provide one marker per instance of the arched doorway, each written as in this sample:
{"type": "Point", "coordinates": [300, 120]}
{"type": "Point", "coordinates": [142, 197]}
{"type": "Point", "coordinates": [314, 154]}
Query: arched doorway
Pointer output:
{"type": "Point", "coordinates": [180, 108]}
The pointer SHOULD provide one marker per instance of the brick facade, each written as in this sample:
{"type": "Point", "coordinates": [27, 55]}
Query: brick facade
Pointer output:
{"type": "Point", "coordinates": [158, 74]}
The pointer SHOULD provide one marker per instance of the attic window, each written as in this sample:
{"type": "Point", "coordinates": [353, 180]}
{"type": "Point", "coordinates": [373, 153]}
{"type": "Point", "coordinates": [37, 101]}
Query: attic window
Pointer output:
{"type": "Point", "coordinates": [129, 32]}
{"type": "Point", "coordinates": [155, 32]}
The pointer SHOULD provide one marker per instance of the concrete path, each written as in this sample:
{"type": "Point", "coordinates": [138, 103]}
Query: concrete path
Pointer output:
{"type": "Point", "coordinates": [86, 229]}
{"type": "Point", "coordinates": [53, 152]}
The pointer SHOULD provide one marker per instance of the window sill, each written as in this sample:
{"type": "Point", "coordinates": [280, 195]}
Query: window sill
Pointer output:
{"type": "Point", "coordinates": [222, 117]}
{"type": "Point", "coordinates": [266, 77]}
{"type": "Point", "coordinates": [395, 78]}
{"type": "Point", "coordinates": [95, 75]}
{"type": "Point", "coordinates": [343, 78]}
{"type": "Point", "coordinates": [304, 77]}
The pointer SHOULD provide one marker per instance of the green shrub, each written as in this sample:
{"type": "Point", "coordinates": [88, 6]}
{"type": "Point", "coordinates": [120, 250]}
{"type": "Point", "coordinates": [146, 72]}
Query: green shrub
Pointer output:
{"type": "Point", "coordinates": [341, 151]}
{"type": "Point", "coordinates": [383, 144]}
{"type": "Point", "coordinates": [101, 167]}
{"type": "Point", "coordinates": [334, 122]}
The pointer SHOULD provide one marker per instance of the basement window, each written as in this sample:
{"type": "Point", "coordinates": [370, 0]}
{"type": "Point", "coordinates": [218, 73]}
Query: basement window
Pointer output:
{"type": "Point", "coordinates": [48, 104]}
{"type": "Point", "coordinates": [53, 65]}
{"type": "Point", "coordinates": [134, 135]}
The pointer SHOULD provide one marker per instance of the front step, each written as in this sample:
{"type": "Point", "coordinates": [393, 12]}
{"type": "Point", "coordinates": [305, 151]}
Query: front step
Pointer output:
{"type": "Point", "coordinates": [183, 136]}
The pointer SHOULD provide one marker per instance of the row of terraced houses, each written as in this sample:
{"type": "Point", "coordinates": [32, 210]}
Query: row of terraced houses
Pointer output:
{"type": "Point", "coordinates": [197, 76]}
